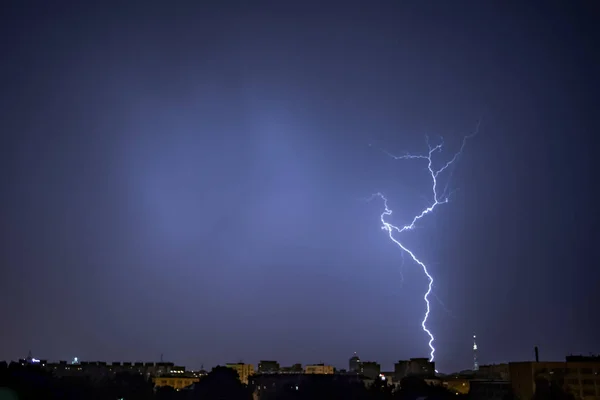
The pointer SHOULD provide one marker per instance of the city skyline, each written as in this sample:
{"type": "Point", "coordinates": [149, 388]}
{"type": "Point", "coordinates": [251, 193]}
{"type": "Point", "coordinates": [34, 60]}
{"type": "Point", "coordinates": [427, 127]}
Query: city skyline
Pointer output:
{"type": "Point", "coordinates": [191, 180]}
{"type": "Point", "coordinates": [78, 360]}
{"type": "Point", "coordinates": [346, 365]}
{"type": "Point", "coordinates": [574, 377]}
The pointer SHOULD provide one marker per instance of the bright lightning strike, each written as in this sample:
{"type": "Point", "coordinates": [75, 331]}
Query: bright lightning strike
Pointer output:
{"type": "Point", "coordinates": [438, 199]}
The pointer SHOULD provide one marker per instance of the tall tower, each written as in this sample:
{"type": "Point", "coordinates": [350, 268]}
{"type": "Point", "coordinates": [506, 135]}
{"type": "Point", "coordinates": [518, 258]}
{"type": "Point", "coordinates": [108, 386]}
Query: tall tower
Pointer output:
{"type": "Point", "coordinates": [475, 364]}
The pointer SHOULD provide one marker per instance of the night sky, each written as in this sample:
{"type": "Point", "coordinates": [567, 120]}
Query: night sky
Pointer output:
{"type": "Point", "coordinates": [191, 180]}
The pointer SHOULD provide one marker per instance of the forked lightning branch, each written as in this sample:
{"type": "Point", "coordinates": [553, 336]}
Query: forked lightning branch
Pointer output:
{"type": "Point", "coordinates": [438, 198]}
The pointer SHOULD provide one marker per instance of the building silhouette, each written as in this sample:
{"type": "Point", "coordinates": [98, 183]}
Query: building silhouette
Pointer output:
{"type": "Point", "coordinates": [419, 367]}
{"type": "Point", "coordinates": [354, 365]}
{"type": "Point", "coordinates": [176, 382]}
{"type": "Point", "coordinates": [268, 367]}
{"type": "Point", "coordinates": [320, 369]}
{"type": "Point", "coordinates": [371, 369]}
{"type": "Point", "coordinates": [579, 375]}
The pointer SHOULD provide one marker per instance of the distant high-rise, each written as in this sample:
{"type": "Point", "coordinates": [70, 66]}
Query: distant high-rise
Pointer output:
{"type": "Point", "coordinates": [475, 364]}
{"type": "Point", "coordinates": [354, 365]}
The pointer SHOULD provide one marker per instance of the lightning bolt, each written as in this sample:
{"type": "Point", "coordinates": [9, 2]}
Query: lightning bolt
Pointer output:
{"type": "Point", "coordinates": [437, 200]}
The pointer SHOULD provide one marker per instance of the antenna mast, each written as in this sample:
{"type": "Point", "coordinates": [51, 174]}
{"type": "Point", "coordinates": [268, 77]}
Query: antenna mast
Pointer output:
{"type": "Point", "coordinates": [475, 364]}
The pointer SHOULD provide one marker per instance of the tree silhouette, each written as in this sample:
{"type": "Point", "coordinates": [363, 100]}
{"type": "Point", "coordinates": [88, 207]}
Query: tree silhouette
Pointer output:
{"type": "Point", "coordinates": [27, 382]}
{"type": "Point", "coordinates": [8, 394]}
{"type": "Point", "coordinates": [327, 387]}
{"type": "Point", "coordinates": [131, 387]}
{"type": "Point", "coordinates": [412, 388]}
{"type": "Point", "coordinates": [380, 390]}
{"type": "Point", "coordinates": [221, 383]}
{"type": "Point", "coordinates": [167, 393]}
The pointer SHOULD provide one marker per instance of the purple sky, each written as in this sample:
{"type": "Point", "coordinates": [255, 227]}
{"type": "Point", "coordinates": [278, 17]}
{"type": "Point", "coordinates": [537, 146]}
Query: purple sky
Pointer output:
{"type": "Point", "coordinates": [190, 181]}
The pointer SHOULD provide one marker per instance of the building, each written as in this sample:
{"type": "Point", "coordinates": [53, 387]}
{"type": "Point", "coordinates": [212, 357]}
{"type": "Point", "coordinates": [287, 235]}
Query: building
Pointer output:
{"type": "Point", "coordinates": [33, 361]}
{"type": "Point", "coordinates": [420, 367]}
{"type": "Point", "coordinates": [178, 369]}
{"type": "Point", "coordinates": [354, 365]}
{"type": "Point", "coordinates": [271, 386]}
{"type": "Point", "coordinates": [176, 382]}
{"type": "Point", "coordinates": [198, 374]}
{"type": "Point", "coordinates": [100, 369]}
{"type": "Point", "coordinates": [321, 369]}
{"type": "Point", "coordinates": [457, 384]}
{"type": "Point", "coordinates": [268, 367]}
{"type": "Point", "coordinates": [371, 369]}
{"type": "Point", "coordinates": [493, 371]}
{"type": "Point", "coordinates": [294, 369]}
{"type": "Point", "coordinates": [578, 375]}
{"type": "Point", "coordinates": [244, 370]}
{"type": "Point", "coordinates": [484, 389]}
